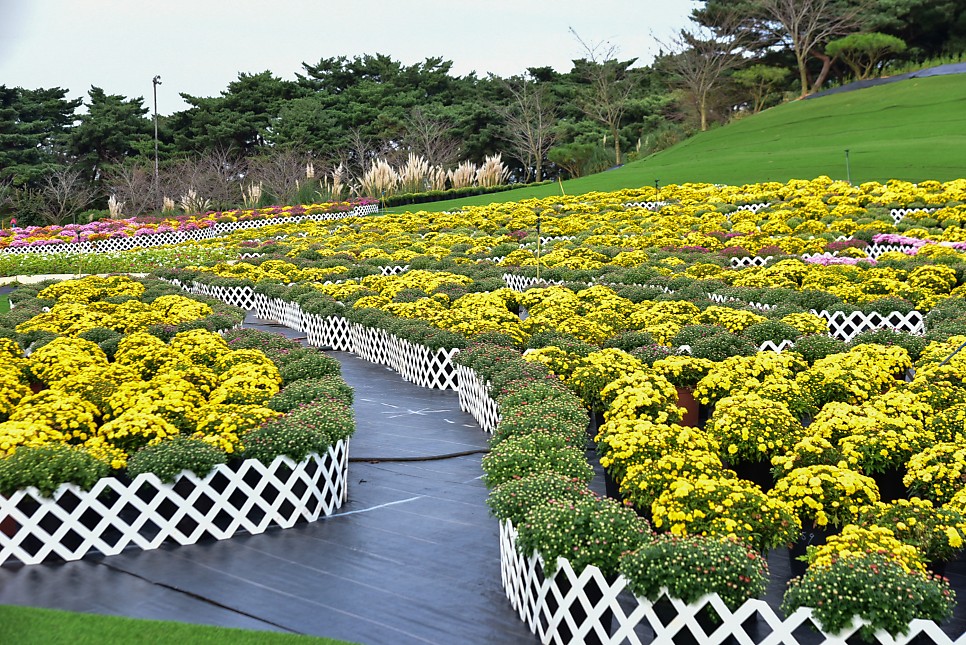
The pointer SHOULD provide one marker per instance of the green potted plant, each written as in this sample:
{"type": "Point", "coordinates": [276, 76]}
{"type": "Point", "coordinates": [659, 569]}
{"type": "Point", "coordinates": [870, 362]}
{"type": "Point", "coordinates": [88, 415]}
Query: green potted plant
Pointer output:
{"type": "Point", "coordinates": [533, 453]}
{"type": "Point", "coordinates": [840, 591]}
{"type": "Point", "coordinates": [170, 457]}
{"type": "Point", "coordinates": [589, 531]}
{"type": "Point", "coordinates": [725, 507]}
{"type": "Point", "coordinates": [512, 500]}
{"type": "Point", "coordinates": [690, 567]}
{"type": "Point", "coordinates": [939, 534]}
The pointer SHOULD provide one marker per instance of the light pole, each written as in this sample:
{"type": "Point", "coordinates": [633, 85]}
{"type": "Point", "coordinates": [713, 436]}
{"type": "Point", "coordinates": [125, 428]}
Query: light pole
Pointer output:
{"type": "Point", "coordinates": [156, 81]}
{"type": "Point", "coordinates": [848, 170]}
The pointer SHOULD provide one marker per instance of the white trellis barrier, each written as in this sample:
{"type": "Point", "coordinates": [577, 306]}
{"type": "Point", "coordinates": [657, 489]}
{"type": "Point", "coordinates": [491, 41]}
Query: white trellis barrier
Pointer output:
{"type": "Point", "coordinates": [717, 297]}
{"type": "Point", "coordinates": [327, 331]}
{"type": "Point", "coordinates": [475, 399]}
{"type": "Point", "coordinates": [767, 346]}
{"type": "Point", "coordinates": [899, 213]}
{"type": "Point", "coordinates": [846, 326]}
{"type": "Point", "coordinates": [650, 206]}
{"type": "Point", "coordinates": [522, 282]}
{"type": "Point", "coordinates": [145, 240]}
{"type": "Point", "coordinates": [432, 368]}
{"type": "Point", "coordinates": [750, 261]}
{"type": "Point", "coordinates": [144, 512]}
{"type": "Point", "coordinates": [572, 607]}
{"type": "Point", "coordinates": [394, 270]}
{"type": "Point", "coordinates": [875, 251]}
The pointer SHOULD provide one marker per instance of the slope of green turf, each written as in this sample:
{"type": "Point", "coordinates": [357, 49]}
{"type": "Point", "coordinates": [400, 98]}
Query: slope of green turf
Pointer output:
{"type": "Point", "coordinates": [912, 130]}
{"type": "Point", "coordinates": [32, 626]}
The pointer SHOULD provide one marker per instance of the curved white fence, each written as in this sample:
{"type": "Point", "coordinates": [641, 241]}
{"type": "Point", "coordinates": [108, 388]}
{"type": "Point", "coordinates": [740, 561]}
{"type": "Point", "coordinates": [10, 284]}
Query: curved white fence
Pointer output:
{"type": "Point", "coordinates": [475, 399]}
{"type": "Point", "coordinates": [144, 512]}
{"type": "Point", "coordinates": [576, 607]}
{"type": "Point", "coordinates": [176, 237]}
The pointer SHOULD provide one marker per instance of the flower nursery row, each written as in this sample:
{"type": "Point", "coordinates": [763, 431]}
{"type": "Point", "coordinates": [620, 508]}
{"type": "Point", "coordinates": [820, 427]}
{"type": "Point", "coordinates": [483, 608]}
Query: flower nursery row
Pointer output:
{"type": "Point", "coordinates": [112, 229]}
{"type": "Point", "coordinates": [861, 414]}
{"type": "Point", "coordinates": [708, 527]}
{"type": "Point", "coordinates": [114, 377]}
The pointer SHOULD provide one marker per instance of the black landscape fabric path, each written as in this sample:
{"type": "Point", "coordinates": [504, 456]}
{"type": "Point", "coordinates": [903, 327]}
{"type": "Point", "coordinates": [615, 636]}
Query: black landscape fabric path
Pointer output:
{"type": "Point", "coordinates": [412, 557]}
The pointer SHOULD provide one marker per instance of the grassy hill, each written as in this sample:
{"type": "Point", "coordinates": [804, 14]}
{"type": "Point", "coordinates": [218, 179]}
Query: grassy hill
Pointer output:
{"type": "Point", "coordinates": [912, 130]}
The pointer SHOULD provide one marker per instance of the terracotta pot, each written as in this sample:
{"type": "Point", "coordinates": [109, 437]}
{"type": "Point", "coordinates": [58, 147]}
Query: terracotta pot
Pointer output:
{"type": "Point", "coordinates": [687, 401]}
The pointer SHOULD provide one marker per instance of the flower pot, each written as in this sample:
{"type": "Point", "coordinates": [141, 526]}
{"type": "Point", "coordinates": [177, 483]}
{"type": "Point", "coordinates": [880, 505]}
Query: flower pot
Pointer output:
{"type": "Point", "coordinates": [687, 401]}
{"type": "Point", "coordinates": [612, 487]}
{"type": "Point", "coordinates": [593, 427]}
{"type": "Point", "coordinates": [938, 567]}
{"type": "Point", "coordinates": [813, 536]}
{"type": "Point", "coordinates": [890, 484]}
{"type": "Point", "coordinates": [757, 472]}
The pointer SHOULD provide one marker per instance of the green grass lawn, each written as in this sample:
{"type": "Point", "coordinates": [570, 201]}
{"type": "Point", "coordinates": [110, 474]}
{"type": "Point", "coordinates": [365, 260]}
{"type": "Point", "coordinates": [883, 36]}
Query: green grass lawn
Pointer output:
{"type": "Point", "coordinates": [32, 626]}
{"type": "Point", "coordinates": [911, 130]}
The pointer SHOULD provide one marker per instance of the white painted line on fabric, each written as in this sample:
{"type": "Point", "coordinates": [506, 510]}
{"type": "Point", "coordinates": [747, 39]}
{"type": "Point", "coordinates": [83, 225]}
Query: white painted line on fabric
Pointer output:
{"type": "Point", "coordinates": [448, 421]}
{"type": "Point", "coordinates": [375, 508]}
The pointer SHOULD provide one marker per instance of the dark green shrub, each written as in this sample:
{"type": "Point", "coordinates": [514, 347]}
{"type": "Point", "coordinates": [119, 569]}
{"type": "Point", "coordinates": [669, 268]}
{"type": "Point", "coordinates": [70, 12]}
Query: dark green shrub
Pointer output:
{"type": "Point", "coordinates": [512, 500]}
{"type": "Point", "coordinates": [721, 346]}
{"type": "Point", "coordinates": [911, 343]}
{"type": "Point", "coordinates": [772, 330]}
{"type": "Point", "coordinates": [48, 467]}
{"type": "Point", "coordinates": [629, 340]}
{"type": "Point", "coordinates": [535, 453]}
{"type": "Point", "coordinates": [689, 334]}
{"type": "Point", "coordinates": [310, 428]}
{"type": "Point", "coordinates": [310, 366]}
{"type": "Point", "coordinates": [168, 458]}
{"type": "Point", "coordinates": [310, 390]}
{"type": "Point", "coordinates": [816, 346]}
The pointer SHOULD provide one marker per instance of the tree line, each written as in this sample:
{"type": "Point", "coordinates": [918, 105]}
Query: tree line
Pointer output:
{"type": "Point", "coordinates": [265, 139]}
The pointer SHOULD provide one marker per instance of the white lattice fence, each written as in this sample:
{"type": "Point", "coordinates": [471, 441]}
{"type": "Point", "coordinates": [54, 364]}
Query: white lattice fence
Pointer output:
{"type": "Point", "coordinates": [522, 283]}
{"type": "Point", "coordinates": [754, 261]}
{"type": "Point", "coordinates": [432, 368]}
{"type": "Point", "coordinates": [328, 331]}
{"type": "Point", "coordinates": [899, 213]}
{"type": "Point", "coordinates": [875, 251]}
{"type": "Point", "coordinates": [475, 398]}
{"type": "Point", "coordinates": [651, 206]}
{"type": "Point", "coordinates": [291, 315]}
{"type": "Point", "coordinates": [145, 513]}
{"type": "Point", "coordinates": [846, 326]}
{"type": "Point", "coordinates": [573, 607]}
{"type": "Point", "coordinates": [394, 270]}
{"type": "Point", "coordinates": [148, 239]}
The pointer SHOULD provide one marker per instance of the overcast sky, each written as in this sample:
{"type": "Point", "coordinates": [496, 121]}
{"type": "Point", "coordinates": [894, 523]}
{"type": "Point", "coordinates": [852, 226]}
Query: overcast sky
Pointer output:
{"type": "Point", "coordinates": [199, 46]}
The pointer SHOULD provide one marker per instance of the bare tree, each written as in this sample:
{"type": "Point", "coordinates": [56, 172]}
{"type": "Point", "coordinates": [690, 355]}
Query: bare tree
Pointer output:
{"type": "Point", "coordinates": [281, 172]}
{"type": "Point", "coordinates": [215, 175]}
{"type": "Point", "coordinates": [134, 185]}
{"type": "Point", "coordinates": [65, 193]}
{"type": "Point", "coordinates": [609, 86]}
{"type": "Point", "coordinates": [529, 124]}
{"type": "Point", "coordinates": [806, 26]}
{"type": "Point", "coordinates": [701, 58]}
{"type": "Point", "coordinates": [429, 137]}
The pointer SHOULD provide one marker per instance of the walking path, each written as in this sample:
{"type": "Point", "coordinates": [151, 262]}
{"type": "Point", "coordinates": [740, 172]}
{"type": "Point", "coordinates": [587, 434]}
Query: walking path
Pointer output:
{"type": "Point", "coordinates": [412, 557]}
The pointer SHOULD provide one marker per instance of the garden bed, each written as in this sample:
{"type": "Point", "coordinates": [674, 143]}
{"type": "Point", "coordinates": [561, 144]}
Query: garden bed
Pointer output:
{"type": "Point", "coordinates": [145, 513]}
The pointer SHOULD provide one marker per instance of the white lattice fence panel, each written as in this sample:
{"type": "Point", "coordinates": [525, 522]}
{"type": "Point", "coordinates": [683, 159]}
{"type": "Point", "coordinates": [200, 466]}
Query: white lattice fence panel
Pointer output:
{"type": "Point", "coordinates": [845, 326]}
{"type": "Point", "coordinates": [568, 607]}
{"type": "Point", "coordinates": [394, 270]}
{"type": "Point", "coordinates": [651, 206]}
{"type": "Point", "coordinates": [756, 261]}
{"type": "Point", "coordinates": [899, 213]}
{"type": "Point", "coordinates": [778, 348]}
{"type": "Point", "coordinates": [522, 283]}
{"type": "Point", "coordinates": [144, 513]}
{"type": "Point", "coordinates": [242, 297]}
{"type": "Point", "coordinates": [475, 399]}
{"type": "Point", "coordinates": [875, 251]}
{"type": "Point", "coordinates": [435, 368]}
{"type": "Point", "coordinates": [291, 315]}
{"type": "Point", "coordinates": [371, 344]}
